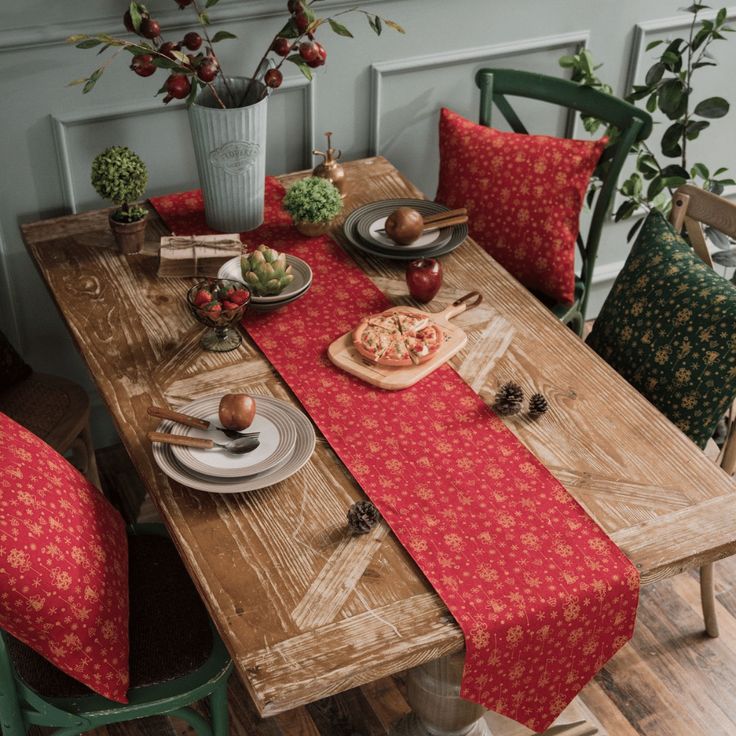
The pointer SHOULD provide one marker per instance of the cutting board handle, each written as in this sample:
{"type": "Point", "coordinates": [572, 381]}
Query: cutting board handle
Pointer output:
{"type": "Point", "coordinates": [461, 305]}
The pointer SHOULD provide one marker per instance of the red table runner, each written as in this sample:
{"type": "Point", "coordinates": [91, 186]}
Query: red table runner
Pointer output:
{"type": "Point", "coordinates": [543, 596]}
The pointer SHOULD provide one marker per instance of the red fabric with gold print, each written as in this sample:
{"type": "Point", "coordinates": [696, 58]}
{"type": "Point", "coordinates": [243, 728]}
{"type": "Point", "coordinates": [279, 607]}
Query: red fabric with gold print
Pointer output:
{"type": "Point", "coordinates": [524, 194]}
{"type": "Point", "coordinates": [543, 596]}
{"type": "Point", "coordinates": [63, 564]}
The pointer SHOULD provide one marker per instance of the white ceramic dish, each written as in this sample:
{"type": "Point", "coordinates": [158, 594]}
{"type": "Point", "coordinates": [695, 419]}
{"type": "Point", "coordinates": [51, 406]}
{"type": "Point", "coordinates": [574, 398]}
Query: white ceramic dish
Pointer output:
{"type": "Point", "coordinates": [302, 279]}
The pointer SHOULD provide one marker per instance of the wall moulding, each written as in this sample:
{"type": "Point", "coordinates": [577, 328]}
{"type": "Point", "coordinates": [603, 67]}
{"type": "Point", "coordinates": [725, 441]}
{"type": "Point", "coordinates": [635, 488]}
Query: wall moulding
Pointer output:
{"type": "Point", "coordinates": [62, 123]}
{"type": "Point", "coordinates": [576, 40]}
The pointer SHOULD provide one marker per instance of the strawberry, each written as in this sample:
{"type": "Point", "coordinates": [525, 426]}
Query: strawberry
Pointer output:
{"type": "Point", "coordinates": [228, 305]}
{"type": "Point", "coordinates": [240, 296]}
{"type": "Point", "coordinates": [212, 310]}
{"type": "Point", "coordinates": [202, 297]}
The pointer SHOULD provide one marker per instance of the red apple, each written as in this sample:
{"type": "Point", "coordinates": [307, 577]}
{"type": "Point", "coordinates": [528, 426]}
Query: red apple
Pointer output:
{"type": "Point", "coordinates": [237, 411]}
{"type": "Point", "coordinates": [424, 278]}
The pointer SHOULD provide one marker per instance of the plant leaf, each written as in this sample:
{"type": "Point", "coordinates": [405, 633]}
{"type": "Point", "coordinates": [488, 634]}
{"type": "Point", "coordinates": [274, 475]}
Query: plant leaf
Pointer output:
{"type": "Point", "coordinates": [700, 170]}
{"type": "Point", "coordinates": [303, 68]}
{"type": "Point", "coordinates": [712, 107]}
{"type": "Point", "coordinates": [222, 36]}
{"type": "Point", "coordinates": [204, 19]}
{"type": "Point", "coordinates": [670, 96]}
{"type": "Point", "coordinates": [719, 239]}
{"type": "Point", "coordinates": [633, 230]}
{"type": "Point", "coordinates": [90, 83]}
{"type": "Point", "coordinates": [289, 30]}
{"type": "Point", "coordinates": [653, 44]}
{"type": "Point", "coordinates": [135, 15]}
{"type": "Point", "coordinates": [210, 3]}
{"type": "Point", "coordinates": [674, 170]}
{"type": "Point", "coordinates": [375, 23]}
{"type": "Point", "coordinates": [625, 210]}
{"type": "Point", "coordinates": [654, 74]}
{"type": "Point", "coordinates": [694, 127]}
{"type": "Point", "coordinates": [393, 24]}
{"type": "Point", "coordinates": [339, 28]}
{"type": "Point", "coordinates": [88, 43]}
{"type": "Point", "coordinates": [567, 61]}
{"type": "Point", "coordinates": [725, 258]}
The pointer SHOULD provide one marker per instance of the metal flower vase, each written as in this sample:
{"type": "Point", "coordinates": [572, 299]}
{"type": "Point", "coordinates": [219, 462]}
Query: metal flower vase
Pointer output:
{"type": "Point", "coordinates": [230, 149]}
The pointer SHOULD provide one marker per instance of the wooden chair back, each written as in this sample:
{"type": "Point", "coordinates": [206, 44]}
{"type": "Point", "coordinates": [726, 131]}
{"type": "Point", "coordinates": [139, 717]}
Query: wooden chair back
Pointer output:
{"type": "Point", "coordinates": [633, 125]}
{"type": "Point", "coordinates": [693, 207]}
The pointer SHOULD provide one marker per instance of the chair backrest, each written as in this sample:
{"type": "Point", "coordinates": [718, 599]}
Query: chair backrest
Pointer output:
{"type": "Point", "coordinates": [693, 207]}
{"type": "Point", "coordinates": [632, 123]}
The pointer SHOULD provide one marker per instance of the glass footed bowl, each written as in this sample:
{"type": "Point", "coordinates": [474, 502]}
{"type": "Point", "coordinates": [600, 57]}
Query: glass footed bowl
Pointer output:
{"type": "Point", "coordinates": [219, 312]}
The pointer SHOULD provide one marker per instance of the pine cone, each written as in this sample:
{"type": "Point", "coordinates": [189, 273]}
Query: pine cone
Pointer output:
{"type": "Point", "coordinates": [537, 405]}
{"type": "Point", "coordinates": [509, 398]}
{"type": "Point", "coordinates": [362, 517]}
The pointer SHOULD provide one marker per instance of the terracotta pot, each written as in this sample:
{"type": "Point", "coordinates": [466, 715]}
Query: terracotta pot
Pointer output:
{"type": "Point", "coordinates": [129, 236]}
{"type": "Point", "coordinates": [312, 229]}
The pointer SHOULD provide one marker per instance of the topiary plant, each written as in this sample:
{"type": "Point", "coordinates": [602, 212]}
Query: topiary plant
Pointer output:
{"type": "Point", "coordinates": [119, 174]}
{"type": "Point", "coordinates": [313, 200]}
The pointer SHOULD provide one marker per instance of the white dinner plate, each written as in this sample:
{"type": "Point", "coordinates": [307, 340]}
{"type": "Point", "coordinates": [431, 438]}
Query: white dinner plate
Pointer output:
{"type": "Point", "coordinates": [277, 439]}
{"type": "Point", "coordinates": [303, 449]}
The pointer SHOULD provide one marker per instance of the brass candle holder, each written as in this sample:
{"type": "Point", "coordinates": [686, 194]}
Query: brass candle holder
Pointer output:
{"type": "Point", "coordinates": [330, 168]}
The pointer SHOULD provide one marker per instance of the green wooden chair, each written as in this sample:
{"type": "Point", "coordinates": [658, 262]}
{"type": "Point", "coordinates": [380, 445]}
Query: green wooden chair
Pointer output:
{"type": "Point", "coordinates": [632, 124]}
{"type": "Point", "coordinates": [176, 658]}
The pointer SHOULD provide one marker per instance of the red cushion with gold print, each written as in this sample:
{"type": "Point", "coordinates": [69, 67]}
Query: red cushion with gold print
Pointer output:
{"type": "Point", "coordinates": [63, 564]}
{"type": "Point", "coordinates": [524, 194]}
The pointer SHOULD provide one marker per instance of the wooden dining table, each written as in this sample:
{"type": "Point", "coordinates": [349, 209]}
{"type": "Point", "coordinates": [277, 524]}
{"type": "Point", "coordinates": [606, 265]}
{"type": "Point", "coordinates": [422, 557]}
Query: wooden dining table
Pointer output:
{"type": "Point", "coordinates": [305, 609]}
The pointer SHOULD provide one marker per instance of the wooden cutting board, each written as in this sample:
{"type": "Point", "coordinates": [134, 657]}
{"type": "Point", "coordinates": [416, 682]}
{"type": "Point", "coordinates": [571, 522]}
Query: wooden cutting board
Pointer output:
{"type": "Point", "coordinates": [393, 378]}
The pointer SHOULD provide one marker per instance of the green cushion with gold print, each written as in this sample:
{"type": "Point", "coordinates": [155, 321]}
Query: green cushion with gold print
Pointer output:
{"type": "Point", "coordinates": [669, 328]}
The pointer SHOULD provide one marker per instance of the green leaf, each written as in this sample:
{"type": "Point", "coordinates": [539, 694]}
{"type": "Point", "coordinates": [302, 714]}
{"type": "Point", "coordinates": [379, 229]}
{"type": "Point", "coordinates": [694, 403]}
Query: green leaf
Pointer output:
{"type": "Point", "coordinates": [700, 170]}
{"type": "Point", "coordinates": [653, 45]}
{"type": "Point", "coordinates": [181, 57]}
{"type": "Point", "coordinates": [625, 210]}
{"type": "Point", "coordinates": [700, 38]}
{"type": "Point", "coordinates": [722, 170]}
{"type": "Point", "coordinates": [713, 107]}
{"type": "Point", "coordinates": [163, 63]}
{"type": "Point", "coordinates": [721, 16]}
{"type": "Point", "coordinates": [135, 16]}
{"type": "Point", "coordinates": [674, 170]}
{"type": "Point", "coordinates": [567, 61]}
{"type": "Point", "coordinates": [204, 19]}
{"type": "Point", "coordinates": [193, 92]}
{"type": "Point", "coordinates": [88, 43]}
{"type": "Point", "coordinates": [96, 74]}
{"type": "Point", "coordinates": [76, 38]}
{"type": "Point", "coordinates": [375, 23]}
{"type": "Point", "coordinates": [303, 68]}
{"type": "Point", "coordinates": [639, 92]}
{"type": "Point", "coordinates": [694, 127]}
{"type": "Point", "coordinates": [634, 229]}
{"type": "Point", "coordinates": [222, 36]}
{"type": "Point", "coordinates": [651, 105]}
{"type": "Point", "coordinates": [393, 24]}
{"type": "Point", "coordinates": [671, 140]}
{"type": "Point", "coordinates": [672, 182]}
{"type": "Point", "coordinates": [655, 74]}
{"type": "Point", "coordinates": [289, 30]}
{"type": "Point", "coordinates": [210, 3]}
{"type": "Point", "coordinates": [339, 28]}
{"type": "Point", "coordinates": [672, 60]}
{"type": "Point", "coordinates": [655, 187]}
{"type": "Point", "coordinates": [696, 8]}
{"type": "Point", "coordinates": [671, 96]}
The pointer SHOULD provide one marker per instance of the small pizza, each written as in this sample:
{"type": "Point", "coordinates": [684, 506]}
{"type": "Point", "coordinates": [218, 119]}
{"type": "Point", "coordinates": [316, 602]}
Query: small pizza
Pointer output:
{"type": "Point", "coordinates": [397, 338]}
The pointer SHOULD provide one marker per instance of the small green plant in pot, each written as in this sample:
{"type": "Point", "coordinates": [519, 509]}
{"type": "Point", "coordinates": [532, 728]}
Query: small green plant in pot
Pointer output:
{"type": "Point", "coordinates": [118, 174]}
{"type": "Point", "coordinates": [313, 203]}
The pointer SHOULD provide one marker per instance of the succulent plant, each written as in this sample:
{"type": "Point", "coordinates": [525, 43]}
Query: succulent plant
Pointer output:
{"type": "Point", "coordinates": [265, 271]}
{"type": "Point", "coordinates": [119, 174]}
{"type": "Point", "coordinates": [313, 200]}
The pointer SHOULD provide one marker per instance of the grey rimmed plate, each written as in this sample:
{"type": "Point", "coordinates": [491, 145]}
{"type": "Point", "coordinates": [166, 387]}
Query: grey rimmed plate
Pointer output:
{"type": "Point", "coordinates": [303, 449]}
{"type": "Point", "coordinates": [302, 280]}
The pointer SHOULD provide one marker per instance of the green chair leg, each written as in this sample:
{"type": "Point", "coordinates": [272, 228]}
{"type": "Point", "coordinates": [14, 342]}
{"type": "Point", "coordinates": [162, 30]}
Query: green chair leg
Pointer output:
{"type": "Point", "coordinates": [196, 721]}
{"type": "Point", "coordinates": [218, 710]}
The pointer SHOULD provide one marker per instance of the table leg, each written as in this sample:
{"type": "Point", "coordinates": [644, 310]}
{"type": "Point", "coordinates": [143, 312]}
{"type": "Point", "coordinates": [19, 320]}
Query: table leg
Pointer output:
{"type": "Point", "coordinates": [433, 691]}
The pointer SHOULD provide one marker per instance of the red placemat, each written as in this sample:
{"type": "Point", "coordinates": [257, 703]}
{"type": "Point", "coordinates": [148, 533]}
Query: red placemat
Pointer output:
{"type": "Point", "coordinates": [543, 596]}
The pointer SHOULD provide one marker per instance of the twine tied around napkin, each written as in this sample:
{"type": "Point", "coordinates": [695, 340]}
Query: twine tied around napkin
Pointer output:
{"type": "Point", "coordinates": [197, 255]}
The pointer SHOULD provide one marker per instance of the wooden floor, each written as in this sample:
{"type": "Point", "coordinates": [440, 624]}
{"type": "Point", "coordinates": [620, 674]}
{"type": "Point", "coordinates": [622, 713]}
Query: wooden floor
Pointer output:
{"type": "Point", "coordinates": [670, 681]}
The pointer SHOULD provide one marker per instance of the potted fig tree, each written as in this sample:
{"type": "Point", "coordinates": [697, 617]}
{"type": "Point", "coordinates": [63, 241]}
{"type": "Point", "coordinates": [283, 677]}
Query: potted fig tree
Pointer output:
{"type": "Point", "coordinates": [120, 175]}
{"type": "Point", "coordinates": [313, 204]}
{"type": "Point", "coordinates": [227, 115]}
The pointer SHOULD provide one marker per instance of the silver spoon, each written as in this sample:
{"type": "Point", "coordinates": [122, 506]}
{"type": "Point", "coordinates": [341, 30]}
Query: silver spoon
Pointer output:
{"type": "Point", "coordinates": [235, 434]}
{"type": "Point", "coordinates": [237, 447]}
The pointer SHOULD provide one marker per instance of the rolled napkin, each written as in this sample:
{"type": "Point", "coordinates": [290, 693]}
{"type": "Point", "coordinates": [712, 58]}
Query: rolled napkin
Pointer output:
{"type": "Point", "coordinates": [196, 255]}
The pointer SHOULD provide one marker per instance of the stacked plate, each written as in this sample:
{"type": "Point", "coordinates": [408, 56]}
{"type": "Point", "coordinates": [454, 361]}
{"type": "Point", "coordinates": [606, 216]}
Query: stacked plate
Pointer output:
{"type": "Point", "coordinates": [286, 443]}
{"type": "Point", "coordinates": [295, 290]}
{"type": "Point", "coordinates": [363, 225]}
